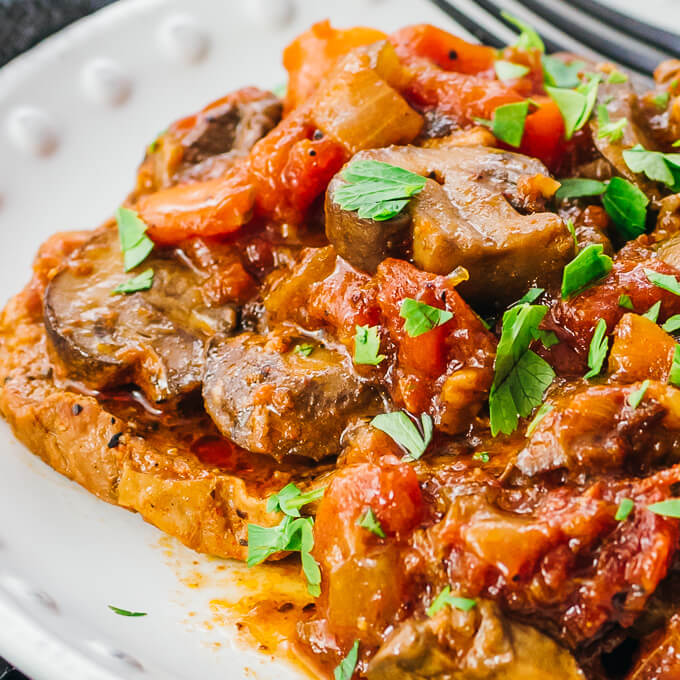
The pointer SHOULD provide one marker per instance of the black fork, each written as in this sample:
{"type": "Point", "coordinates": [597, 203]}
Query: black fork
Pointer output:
{"type": "Point", "coordinates": [585, 27]}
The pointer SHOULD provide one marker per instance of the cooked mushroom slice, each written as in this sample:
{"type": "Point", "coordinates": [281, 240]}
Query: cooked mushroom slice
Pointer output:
{"type": "Point", "coordinates": [153, 338]}
{"type": "Point", "coordinates": [272, 396]}
{"type": "Point", "coordinates": [470, 215]}
{"type": "Point", "coordinates": [474, 645]}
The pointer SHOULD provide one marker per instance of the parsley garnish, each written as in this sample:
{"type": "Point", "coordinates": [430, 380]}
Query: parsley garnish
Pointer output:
{"type": "Point", "coordinates": [627, 206]}
{"type": "Point", "coordinates": [599, 344]}
{"type": "Point", "coordinates": [661, 100]}
{"type": "Point", "coordinates": [542, 412]}
{"type": "Point", "coordinates": [445, 599]}
{"type": "Point", "coordinates": [506, 70]}
{"type": "Point", "coordinates": [665, 281]}
{"type": "Point", "coordinates": [520, 375]}
{"type": "Point", "coordinates": [530, 296]}
{"type": "Point", "coordinates": [576, 187]}
{"type": "Point", "coordinates": [125, 612]}
{"type": "Point", "coordinates": [421, 318]}
{"type": "Point", "coordinates": [153, 147]}
{"type": "Point", "coordinates": [634, 398]}
{"type": "Point", "coordinates": [576, 106]}
{"type": "Point", "coordinates": [657, 166]}
{"type": "Point", "coordinates": [674, 375]}
{"type": "Point", "coordinates": [403, 430]}
{"type": "Point", "coordinates": [626, 302]}
{"type": "Point", "coordinates": [376, 190]}
{"type": "Point", "coordinates": [142, 281]}
{"type": "Point", "coordinates": [588, 266]}
{"type": "Point", "coordinates": [482, 456]}
{"type": "Point", "coordinates": [507, 122]}
{"type": "Point", "coordinates": [672, 324]}
{"type": "Point", "coordinates": [370, 522]}
{"type": "Point", "coordinates": [625, 508]}
{"type": "Point", "coordinates": [558, 74]}
{"type": "Point", "coordinates": [367, 345]}
{"type": "Point", "coordinates": [345, 670]}
{"type": "Point", "coordinates": [572, 231]}
{"type": "Point", "coordinates": [606, 128]}
{"type": "Point", "coordinates": [669, 508]}
{"type": "Point", "coordinates": [134, 242]}
{"type": "Point", "coordinates": [290, 499]}
{"type": "Point", "coordinates": [528, 38]}
{"type": "Point", "coordinates": [304, 349]}
{"type": "Point", "coordinates": [653, 312]}
{"type": "Point", "coordinates": [292, 534]}
{"type": "Point", "coordinates": [616, 78]}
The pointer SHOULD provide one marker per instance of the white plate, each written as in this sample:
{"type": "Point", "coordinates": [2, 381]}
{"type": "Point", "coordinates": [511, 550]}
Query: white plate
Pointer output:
{"type": "Point", "coordinates": [75, 115]}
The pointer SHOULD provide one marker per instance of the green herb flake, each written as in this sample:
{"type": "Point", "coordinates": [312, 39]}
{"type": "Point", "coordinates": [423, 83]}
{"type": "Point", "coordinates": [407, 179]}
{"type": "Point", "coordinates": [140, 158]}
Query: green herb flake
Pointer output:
{"type": "Point", "coordinates": [625, 508]}
{"type": "Point", "coordinates": [612, 130]}
{"type": "Point", "coordinates": [635, 397]}
{"type": "Point", "coordinates": [520, 375]}
{"type": "Point", "coordinates": [290, 499]}
{"type": "Point", "coordinates": [665, 281]}
{"type": "Point", "coordinates": [672, 324]}
{"type": "Point", "coordinates": [153, 147]}
{"type": "Point", "coordinates": [661, 100]}
{"type": "Point", "coordinates": [528, 38]}
{"type": "Point", "coordinates": [653, 312]}
{"type": "Point", "coordinates": [421, 318]}
{"type": "Point", "coordinates": [291, 535]}
{"type": "Point", "coordinates": [626, 302]}
{"type": "Point", "coordinates": [588, 266]}
{"type": "Point", "coordinates": [543, 411]}
{"type": "Point", "coordinates": [367, 345]}
{"type": "Point", "coordinates": [599, 344]}
{"type": "Point", "coordinates": [576, 106]}
{"type": "Point", "coordinates": [657, 166]}
{"type": "Point", "coordinates": [481, 456]}
{"type": "Point", "coordinates": [445, 599]}
{"type": "Point", "coordinates": [627, 206]}
{"type": "Point", "coordinates": [304, 349]}
{"type": "Point", "coordinates": [404, 431]}
{"type": "Point", "coordinates": [370, 522]}
{"type": "Point", "coordinates": [507, 123]}
{"type": "Point", "coordinates": [676, 143]}
{"type": "Point", "coordinates": [142, 281]}
{"type": "Point", "coordinates": [576, 187]}
{"type": "Point", "coordinates": [529, 297]}
{"type": "Point", "coordinates": [125, 612]}
{"type": "Point", "coordinates": [572, 231]}
{"type": "Point", "coordinates": [506, 70]}
{"type": "Point", "coordinates": [669, 508]}
{"type": "Point", "coordinates": [134, 243]}
{"type": "Point", "coordinates": [376, 190]}
{"type": "Point", "coordinates": [674, 375]}
{"type": "Point", "coordinates": [558, 74]}
{"type": "Point", "coordinates": [345, 670]}
{"type": "Point", "coordinates": [616, 78]}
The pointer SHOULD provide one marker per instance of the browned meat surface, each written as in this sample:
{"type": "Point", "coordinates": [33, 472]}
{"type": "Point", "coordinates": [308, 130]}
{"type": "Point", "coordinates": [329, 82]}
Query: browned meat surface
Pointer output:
{"type": "Point", "coordinates": [269, 397]}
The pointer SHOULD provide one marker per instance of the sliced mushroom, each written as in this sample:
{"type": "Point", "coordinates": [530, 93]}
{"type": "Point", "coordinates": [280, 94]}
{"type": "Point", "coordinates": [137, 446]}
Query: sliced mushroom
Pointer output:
{"type": "Point", "coordinates": [269, 397]}
{"type": "Point", "coordinates": [153, 338]}
{"type": "Point", "coordinates": [470, 215]}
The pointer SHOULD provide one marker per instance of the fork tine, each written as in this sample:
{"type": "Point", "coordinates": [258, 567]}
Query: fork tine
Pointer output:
{"type": "Point", "coordinates": [469, 24]}
{"type": "Point", "coordinates": [651, 35]}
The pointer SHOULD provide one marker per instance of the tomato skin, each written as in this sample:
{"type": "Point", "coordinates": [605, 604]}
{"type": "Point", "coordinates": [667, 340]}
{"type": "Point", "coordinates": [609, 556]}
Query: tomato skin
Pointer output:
{"type": "Point", "coordinates": [544, 134]}
{"type": "Point", "coordinates": [444, 49]}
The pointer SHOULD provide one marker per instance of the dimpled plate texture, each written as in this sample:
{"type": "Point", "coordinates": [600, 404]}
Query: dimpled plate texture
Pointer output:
{"type": "Point", "coordinates": [75, 115]}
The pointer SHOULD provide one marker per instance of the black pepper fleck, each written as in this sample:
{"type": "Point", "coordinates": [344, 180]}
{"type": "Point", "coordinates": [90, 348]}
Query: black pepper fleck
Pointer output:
{"type": "Point", "coordinates": [242, 541]}
{"type": "Point", "coordinates": [113, 442]}
{"type": "Point", "coordinates": [113, 420]}
{"type": "Point", "coordinates": [453, 54]}
{"type": "Point", "coordinates": [76, 409]}
{"type": "Point", "coordinates": [312, 152]}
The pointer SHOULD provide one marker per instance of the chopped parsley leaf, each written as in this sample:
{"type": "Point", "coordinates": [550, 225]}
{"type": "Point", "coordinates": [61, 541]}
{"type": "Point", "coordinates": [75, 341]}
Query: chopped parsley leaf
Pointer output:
{"type": "Point", "coordinates": [626, 302]}
{"type": "Point", "coordinates": [634, 398]}
{"type": "Point", "coordinates": [367, 345]}
{"type": "Point", "coordinates": [588, 266]}
{"type": "Point", "coordinates": [674, 376]}
{"type": "Point", "coordinates": [345, 669]}
{"type": "Point", "coordinates": [134, 243]}
{"type": "Point", "coordinates": [653, 312]}
{"type": "Point", "coordinates": [421, 318]}
{"type": "Point", "coordinates": [304, 349]}
{"type": "Point", "coordinates": [616, 78]}
{"type": "Point", "coordinates": [290, 499]}
{"type": "Point", "coordinates": [142, 281]}
{"type": "Point", "coordinates": [507, 122]}
{"type": "Point", "coordinates": [672, 324]}
{"type": "Point", "coordinates": [543, 411]}
{"type": "Point", "coordinates": [370, 522]}
{"type": "Point", "coordinates": [625, 508]}
{"type": "Point", "coordinates": [530, 296]}
{"type": "Point", "coordinates": [528, 38]}
{"type": "Point", "coordinates": [576, 187]}
{"type": "Point", "coordinates": [376, 190]}
{"type": "Point", "coordinates": [576, 106]}
{"type": "Point", "coordinates": [661, 100]}
{"type": "Point", "coordinates": [482, 456]}
{"type": "Point", "coordinates": [627, 206]}
{"type": "Point", "coordinates": [599, 344]}
{"type": "Point", "coordinates": [657, 166]}
{"type": "Point", "coordinates": [665, 281]}
{"type": "Point", "coordinates": [404, 431]}
{"type": "Point", "coordinates": [506, 70]}
{"type": "Point", "coordinates": [125, 612]}
{"type": "Point", "coordinates": [558, 74]}
{"type": "Point", "coordinates": [572, 231]}
{"type": "Point", "coordinates": [520, 375]}
{"type": "Point", "coordinates": [669, 508]}
{"type": "Point", "coordinates": [445, 599]}
{"type": "Point", "coordinates": [606, 128]}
